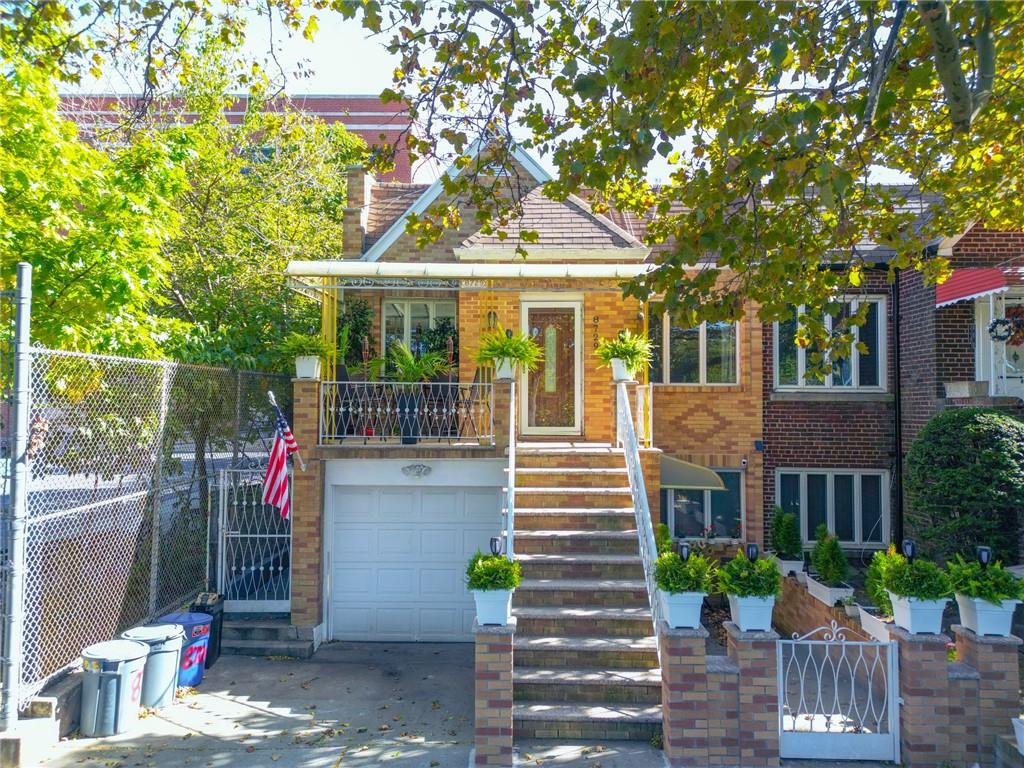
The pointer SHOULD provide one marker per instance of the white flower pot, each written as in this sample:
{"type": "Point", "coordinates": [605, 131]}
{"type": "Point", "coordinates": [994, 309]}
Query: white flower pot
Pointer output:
{"type": "Point", "coordinates": [985, 618]}
{"type": "Point", "coordinates": [504, 369]}
{"type": "Point", "coordinates": [1018, 731]}
{"type": "Point", "coordinates": [874, 625]}
{"type": "Point", "coordinates": [918, 617]}
{"type": "Point", "coordinates": [493, 606]}
{"type": "Point", "coordinates": [307, 367]}
{"type": "Point", "coordinates": [752, 614]}
{"type": "Point", "coordinates": [786, 567]}
{"type": "Point", "coordinates": [682, 610]}
{"type": "Point", "coordinates": [619, 370]}
{"type": "Point", "coordinates": [826, 594]}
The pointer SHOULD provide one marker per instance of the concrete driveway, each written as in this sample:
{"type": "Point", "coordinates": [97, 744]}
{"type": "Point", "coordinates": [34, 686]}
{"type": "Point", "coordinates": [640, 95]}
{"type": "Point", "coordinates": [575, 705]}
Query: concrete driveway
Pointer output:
{"type": "Point", "coordinates": [353, 705]}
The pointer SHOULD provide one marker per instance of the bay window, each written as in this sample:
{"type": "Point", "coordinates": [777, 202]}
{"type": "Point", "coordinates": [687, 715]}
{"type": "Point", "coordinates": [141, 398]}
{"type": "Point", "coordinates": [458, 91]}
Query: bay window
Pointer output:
{"type": "Point", "coordinates": [852, 504]}
{"type": "Point", "coordinates": [705, 354]}
{"type": "Point", "coordinates": [695, 513]}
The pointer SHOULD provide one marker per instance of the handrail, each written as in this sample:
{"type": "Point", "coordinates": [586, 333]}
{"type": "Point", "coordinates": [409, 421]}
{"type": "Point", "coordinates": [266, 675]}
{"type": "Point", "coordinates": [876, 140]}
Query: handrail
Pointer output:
{"type": "Point", "coordinates": [510, 492]}
{"type": "Point", "coordinates": [641, 509]}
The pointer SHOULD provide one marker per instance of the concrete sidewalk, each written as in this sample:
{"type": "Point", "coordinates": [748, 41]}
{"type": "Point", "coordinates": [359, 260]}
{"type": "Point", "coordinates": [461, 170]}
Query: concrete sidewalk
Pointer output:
{"type": "Point", "coordinates": [407, 705]}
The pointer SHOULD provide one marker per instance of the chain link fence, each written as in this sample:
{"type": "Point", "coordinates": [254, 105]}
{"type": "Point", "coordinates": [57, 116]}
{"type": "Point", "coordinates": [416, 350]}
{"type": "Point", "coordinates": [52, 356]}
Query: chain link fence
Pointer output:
{"type": "Point", "coordinates": [122, 456]}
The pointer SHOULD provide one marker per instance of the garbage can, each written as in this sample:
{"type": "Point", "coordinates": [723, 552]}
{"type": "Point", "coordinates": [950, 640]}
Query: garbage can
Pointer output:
{"type": "Point", "coordinates": [111, 686]}
{"type": "Point", "coordinates": [193, 650]}
{"type": "Point", "coordinates": [213, 604]}
{"type": "Point", "coordinates": [161, 673]}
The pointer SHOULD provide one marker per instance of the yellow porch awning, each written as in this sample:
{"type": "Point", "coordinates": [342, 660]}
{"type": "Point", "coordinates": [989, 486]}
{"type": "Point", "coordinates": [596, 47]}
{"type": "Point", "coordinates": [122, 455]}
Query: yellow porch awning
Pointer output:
{"type": "Point", "coordinates": [676, 473]}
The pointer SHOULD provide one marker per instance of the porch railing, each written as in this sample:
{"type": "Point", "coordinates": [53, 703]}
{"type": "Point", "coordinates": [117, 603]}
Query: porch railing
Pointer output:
{"type": "Point", "coordinates": [641, 509]}
{"type": "Point", "coordinates": [382, 412]}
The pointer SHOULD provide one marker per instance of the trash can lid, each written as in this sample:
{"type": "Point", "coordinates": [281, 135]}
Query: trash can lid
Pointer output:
{"type": "Point", "coordinates": [186, 618]}
{"type": "Point", "coordinates": [153, 633]}
{"type": "Point", "coordinates": [116, 650]}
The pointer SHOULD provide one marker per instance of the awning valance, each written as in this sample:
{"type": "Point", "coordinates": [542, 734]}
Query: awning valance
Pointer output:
{"type": "Point", "coordinates": [676, 473]}
{"type": "Point", "coordinates": [971, 283]}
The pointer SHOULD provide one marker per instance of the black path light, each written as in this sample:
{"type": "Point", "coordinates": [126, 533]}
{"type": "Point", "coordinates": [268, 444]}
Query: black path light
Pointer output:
{"type": "Point", "coordinates": [909, 547]}
{"type": "Point", "coordinates": [752, 551]}
{"type": "Point", "coordinates": [495, 545]}
{"type": "Point", "coordinates": [684, 550]}
{"type": "Point", "coordinates": [984, 555]}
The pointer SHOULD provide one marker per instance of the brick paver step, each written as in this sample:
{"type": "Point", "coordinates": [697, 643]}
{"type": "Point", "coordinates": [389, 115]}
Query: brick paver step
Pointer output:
{"type": "Point", "coordinates": [595, 585]}
{"type": "Point", "coordinates": [614, 621]}
{"type": "Point", "coordinates": [582, 720]}
{"type": "Point", "coordinates": [585, 651]}
{"type": "Point", "coordinates": [609, 686]}
{"type": "Point", "coordinates": [556, 477]}
{"type": "Point", "coordinates": [627, 677]}
{"type": "Point", "coordinates": [592, 519]}
{"type": "Point", "coordinates": [582, 592]}
{"type": "Point", "coordinates": [575, 541]}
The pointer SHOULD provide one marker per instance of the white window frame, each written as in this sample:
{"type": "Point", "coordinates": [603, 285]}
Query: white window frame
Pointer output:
{"type": "Point", "coordinates": [830, 513]}
{"type": "Point", "coordinates": [702, 354]}
{"type": "Point", "coordinates": [432, 305]}
{"type": "Point", "coordinates": [671, 511]}
{"type": "Point", "coordinates": [801, 355]}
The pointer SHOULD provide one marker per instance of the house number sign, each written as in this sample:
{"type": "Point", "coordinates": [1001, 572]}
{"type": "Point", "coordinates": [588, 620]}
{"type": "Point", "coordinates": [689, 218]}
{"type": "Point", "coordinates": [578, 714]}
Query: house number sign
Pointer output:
{"type": "Point", "coordinates": [416, 470]}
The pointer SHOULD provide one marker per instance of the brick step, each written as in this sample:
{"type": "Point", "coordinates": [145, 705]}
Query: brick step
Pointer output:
{"type": "Point", "coordinates": [577, 477]}
{"type": "Point", "coordinates": [543, 566]}
{"type": "Point", "coordinates": [621, 593]}
{"type": "Point", "coordinates": [619, 686]}
{"type": "Point", "coordinates": [583, 621]}
{"type": "Point", "coordinates": [579, 458]}
{"type": "Point", "coordinates": [565, 542]}
{"type": "Point", "coordinates": [259, 629]}
{"type": "Point", "coordinates": [299, 649]}
{"type": "Point", "coordinates": [559, 720]}
{"type": "Point", "coordinates": [575, 518]}
{"type": "Point", "coordinates": [585, 652]}
{"type": "Point", "coordinates": [573, 497]}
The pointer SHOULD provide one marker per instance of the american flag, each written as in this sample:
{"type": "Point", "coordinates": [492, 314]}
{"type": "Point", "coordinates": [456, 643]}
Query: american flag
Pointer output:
{"type": "Point", "coordinates": [275, 483]}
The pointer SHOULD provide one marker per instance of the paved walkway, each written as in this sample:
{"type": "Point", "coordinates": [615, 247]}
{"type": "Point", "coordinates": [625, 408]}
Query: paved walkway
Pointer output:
{"type": "Point", "coordinates": [354, 705]}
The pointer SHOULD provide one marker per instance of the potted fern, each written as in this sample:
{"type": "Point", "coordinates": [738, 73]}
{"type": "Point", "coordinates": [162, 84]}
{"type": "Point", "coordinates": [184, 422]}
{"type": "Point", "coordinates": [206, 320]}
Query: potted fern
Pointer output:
{"type": "Point", "coordinates": [918, 590]}
{"type": "Point", "coordinates": [751, 586]}
{"type": "Point", "coordinates": [830, 570]}
{"type": "Point", "coordinates": [627, 354]}
{"type": "Point", "coordinates": [492, 579]}
{"type": "Point", "coordinates": [308, 350]}
{"type": "Point", "coordinates": [682, 586]}
{"type": "Point", "coordinates": [406, 368]}
{"type": "Point", "coordinates": [788, 549]}
{"type": "Point", "coordinates": [507, 351]}
{"type": "Point", "coordinates": [877, 619]}
{"type": "Point", "coordinates": [986, 594]}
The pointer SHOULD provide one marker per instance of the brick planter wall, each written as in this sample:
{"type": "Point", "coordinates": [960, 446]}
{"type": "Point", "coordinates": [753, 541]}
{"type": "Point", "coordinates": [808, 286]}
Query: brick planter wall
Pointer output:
{"type": "Point", "coordinates": [797, 612]}
{"type": "Point", "coordinates": [493, 695]}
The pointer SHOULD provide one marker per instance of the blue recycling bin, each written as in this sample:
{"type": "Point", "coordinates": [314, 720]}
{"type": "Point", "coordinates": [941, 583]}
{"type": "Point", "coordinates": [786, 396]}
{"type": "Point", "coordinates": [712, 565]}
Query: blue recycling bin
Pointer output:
{"type": "Point", "coordinates": [111, 686]}
{"type": "Point", "coordinates": [193, 650]}
{"type": "Point", "coordinates": [161, 675]}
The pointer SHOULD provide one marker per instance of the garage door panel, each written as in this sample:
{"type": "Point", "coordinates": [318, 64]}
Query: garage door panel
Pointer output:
{"type": "Point", "coordinates": [440, 544]}
{"type": "Point", "coordinates": [360, 505]}
{"type": "Point", "coordinates": [442, 506]}
{"type": "Point", "coordinates": [439, 623]}
{"type": "Point", "coordinates": [396, 581]}
{"type": "Point", "coordinates": [355, 581]}
{"type": "Point", "coordinates": [441, 582]}
{"type": "Point", "coordinates": [355, 621]}
{"type": "Point", "coordinates": [468, 620]}
{"type": "Point", "coordinates": [398, 506]}
{"type": "Point", "coordinates": [477, 538]}
{"type": "Point", "coordinates": [398, 542]}
{"type": "Point", "coordinates": [478, 502]}
{"type": "Point", "coordinates": [354, 544]}
{"type": "Point", "coordinates": [397, 621]}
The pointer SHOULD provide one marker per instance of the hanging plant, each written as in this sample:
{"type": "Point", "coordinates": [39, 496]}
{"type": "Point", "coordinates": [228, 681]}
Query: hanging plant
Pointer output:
{"type": "Point", "coordinates": [1000, 329]}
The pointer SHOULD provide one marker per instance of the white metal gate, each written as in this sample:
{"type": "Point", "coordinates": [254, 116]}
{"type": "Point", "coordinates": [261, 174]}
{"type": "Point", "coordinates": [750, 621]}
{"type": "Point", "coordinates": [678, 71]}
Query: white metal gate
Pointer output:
{"type": "Point", "coordinates": [838, 698]}
{"type": "Point", "coordinates": [254, 556]}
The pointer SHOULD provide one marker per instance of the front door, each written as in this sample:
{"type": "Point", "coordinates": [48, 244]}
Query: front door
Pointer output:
{"type": "Point", "coordinates": [552, 395]}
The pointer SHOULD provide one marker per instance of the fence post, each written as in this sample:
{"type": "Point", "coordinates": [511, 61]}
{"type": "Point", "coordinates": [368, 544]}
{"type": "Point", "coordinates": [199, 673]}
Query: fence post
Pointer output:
{"type": "Point", "coordinates": [18, 512]}
{"type": "Point", "coordinates": [158, 475]}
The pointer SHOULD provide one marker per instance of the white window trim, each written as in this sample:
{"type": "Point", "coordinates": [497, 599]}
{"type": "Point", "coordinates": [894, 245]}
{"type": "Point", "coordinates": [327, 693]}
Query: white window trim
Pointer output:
{"type": "Point", "coordinates": [707, 506]}
{"type": "Point", "coordinates": [858, 519]}
{"type": "Point", "coordinates": [407, 315]}
{"type": "Point", "coordinates": [827, 385]}
{"type": "Point", "coordinates": [702, 344]}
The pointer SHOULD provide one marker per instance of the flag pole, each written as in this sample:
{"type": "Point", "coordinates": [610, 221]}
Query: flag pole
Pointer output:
{"type": "Point", "coordinates": [273, 402]}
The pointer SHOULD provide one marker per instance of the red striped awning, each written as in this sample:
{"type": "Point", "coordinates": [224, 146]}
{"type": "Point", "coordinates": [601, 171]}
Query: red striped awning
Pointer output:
{"type": "Point", "coordinates": [975, 283]}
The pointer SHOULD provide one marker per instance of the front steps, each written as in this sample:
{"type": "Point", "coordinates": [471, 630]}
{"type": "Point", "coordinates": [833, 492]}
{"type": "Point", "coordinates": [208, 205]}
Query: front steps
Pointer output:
{"type": "Point", "coordinates": [586, 664]}
{"type": "Point", "coordinates": [267, 636]}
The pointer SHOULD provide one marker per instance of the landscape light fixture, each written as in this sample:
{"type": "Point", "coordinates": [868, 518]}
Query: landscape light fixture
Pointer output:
{"type": "Point", "coordinates": [909, 548]}
{"type": "Point", "coordinates": [752, 551]}
{"type": "Point", "coordinates": [495, 545]}
{"type": "Point", "coordinates": [684, 550]}
{"type": "Point", "coordinates": [984, 555]}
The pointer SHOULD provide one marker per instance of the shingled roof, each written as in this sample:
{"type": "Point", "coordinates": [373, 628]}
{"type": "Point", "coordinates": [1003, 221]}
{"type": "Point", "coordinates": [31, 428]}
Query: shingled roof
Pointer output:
{"type": "Point", "coordinates": [388, 201]}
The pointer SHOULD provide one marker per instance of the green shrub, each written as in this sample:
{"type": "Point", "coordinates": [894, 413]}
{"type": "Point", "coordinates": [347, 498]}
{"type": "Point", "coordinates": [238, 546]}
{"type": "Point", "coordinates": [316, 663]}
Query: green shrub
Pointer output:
{"type": "Point", "coordinates": [745, 578]}
{"type": "Point", "coordinates": [492, 572]}
{"type": "Point", "coordinates": [992, 584]}
{"type": "Point", "coordinates": [921, 579]}
{"type": "Point", "coordinates": [304, 345]}
{"type": "Point", "coordinates": [662, 538]}
{"type": "Point", "coordinates": [519, 348]}
{"type": "Point", "coordinates": [965, 484]}
{"type": "Point", "coordinates": [875, 578]}
{"type": "Point", "coordinates": [405, 367]}
{"type": "Point", "coordinates": [828, 559]}
{"type": "Point", "coordinates": [675, 575]}
{"type": "Point", "coordinates": [631, 348]}
{"type": "Point", "coordinates": [786, 535]}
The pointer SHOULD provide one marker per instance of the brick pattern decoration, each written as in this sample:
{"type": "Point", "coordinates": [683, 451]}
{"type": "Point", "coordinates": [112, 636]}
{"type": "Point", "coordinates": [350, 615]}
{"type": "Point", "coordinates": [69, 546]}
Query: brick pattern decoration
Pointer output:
{"type": "Point", "coordinates": [493, 695]}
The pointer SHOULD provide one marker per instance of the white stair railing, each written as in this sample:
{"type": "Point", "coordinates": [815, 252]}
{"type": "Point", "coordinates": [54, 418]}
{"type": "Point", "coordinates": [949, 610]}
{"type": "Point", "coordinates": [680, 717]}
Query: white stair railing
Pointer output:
{"type": "Point", "coordinates": [510, 490]}
{"type": "Point", "coordinates": [641, 509]}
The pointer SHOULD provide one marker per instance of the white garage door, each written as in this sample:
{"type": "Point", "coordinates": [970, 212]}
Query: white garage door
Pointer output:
{"type": "Point", "coordinates": [398, 559]}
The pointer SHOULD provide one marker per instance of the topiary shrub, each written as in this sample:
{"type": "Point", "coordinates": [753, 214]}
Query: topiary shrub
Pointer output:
{"type": "Point", "coordinates": [786, 535]}
{"type": "Point", "coordinates": [965, 484]}
{"type": "Point", "coordinates": [828, 559]}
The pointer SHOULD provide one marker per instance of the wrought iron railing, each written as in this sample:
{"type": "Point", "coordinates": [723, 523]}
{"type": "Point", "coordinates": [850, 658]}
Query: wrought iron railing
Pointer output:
{"type": "Point", "coordinates": [641, 509]}
{"type": "Point", "coordinates": [510, 490]}
{"type": "Point", "coordinates": [376, 412]}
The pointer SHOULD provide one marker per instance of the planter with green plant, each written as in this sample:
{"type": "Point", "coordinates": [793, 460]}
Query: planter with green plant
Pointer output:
{"type": "Point", "coordinates": [918, 590]}
{"type": "Point", "coordinates": [407, 369]}
{"type": "Point", "coordinates": [986, 594]}
{"type": "Point", "coordinates": [627, 353]}
{"type": "Point", "coordinates": [751, 586]}
{"type": "Point", "coordinates": [876, 619]}
{"type": "Point", "coordinates": [508, 351]}
{"type": "Point", "coordinates": [492, 579]}
{"type": "Point", "coordinates": [308, 350]}
{"type": "Point", "coordinates": [828, 584]}
{"type": "Point", "coordinates": [788, 549]}
{"type": "Point", "coordinates": [682, 586]}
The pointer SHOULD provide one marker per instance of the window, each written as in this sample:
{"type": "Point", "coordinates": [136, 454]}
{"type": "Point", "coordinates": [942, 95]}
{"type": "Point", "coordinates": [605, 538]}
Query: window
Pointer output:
{"type": "Point", "coordinates": [408, 320]}
{"type": "Point", "coordinates": [707, 354]}
{"type": "Point", "coordinates": [690, 512]}
{"type": "Point", "coordinates": [860, 370]}
{"type": "Point", "coordinates": [853, 504]}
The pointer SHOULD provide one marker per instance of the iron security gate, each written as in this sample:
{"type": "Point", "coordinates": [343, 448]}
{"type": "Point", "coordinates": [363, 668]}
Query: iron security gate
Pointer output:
{"type": "Point", "coordinates": [254, 562]}
{"type": "Point", "coordinates": [838, 698]}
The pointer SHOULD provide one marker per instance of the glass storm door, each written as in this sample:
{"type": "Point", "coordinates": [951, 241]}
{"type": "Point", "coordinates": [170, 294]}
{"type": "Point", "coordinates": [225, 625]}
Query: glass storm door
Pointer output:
{"type": "Point", "coordinates": [552, 394]}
